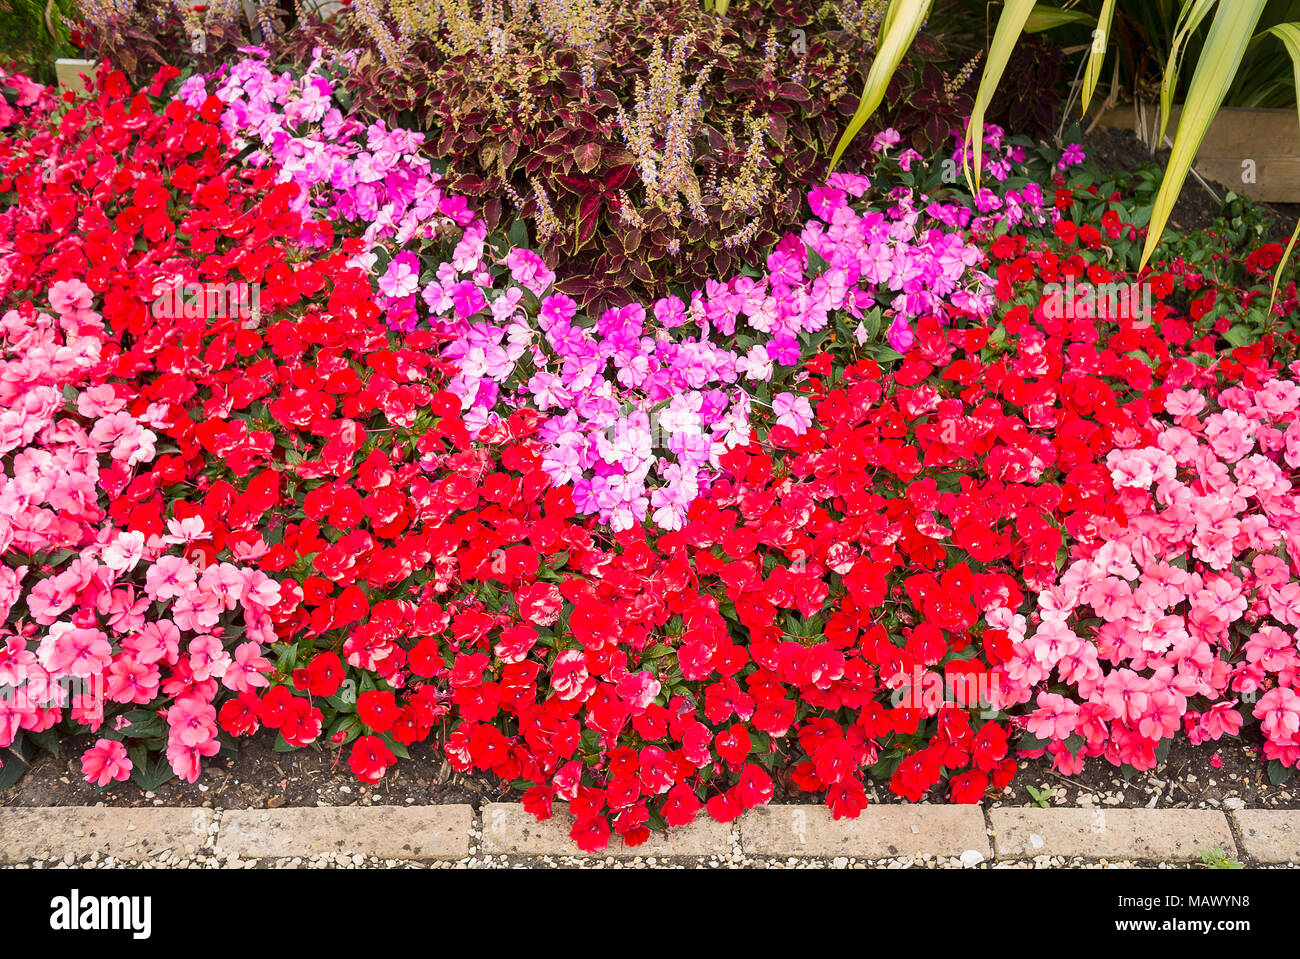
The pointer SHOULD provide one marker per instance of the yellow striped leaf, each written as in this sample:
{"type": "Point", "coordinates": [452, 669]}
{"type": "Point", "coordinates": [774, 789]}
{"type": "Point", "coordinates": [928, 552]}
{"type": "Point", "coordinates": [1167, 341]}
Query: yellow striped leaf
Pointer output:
{"type": "Point", "coordinates": [1233, 26]}
{"type": "Point", "coordinates": [898, 28]}
{"type": "Point", "coordinates": [1188, 20]}
{"type": "Point", "coordinates": [1011, 24]}
{"type": "Point", "coordinates": [1289, 34]}
{"type": "Point", "coordinates": [1100, 41]}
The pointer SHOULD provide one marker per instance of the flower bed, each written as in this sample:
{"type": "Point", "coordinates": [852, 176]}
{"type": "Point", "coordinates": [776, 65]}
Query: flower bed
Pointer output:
{"type": "Point", "coordinates": [902, 502]}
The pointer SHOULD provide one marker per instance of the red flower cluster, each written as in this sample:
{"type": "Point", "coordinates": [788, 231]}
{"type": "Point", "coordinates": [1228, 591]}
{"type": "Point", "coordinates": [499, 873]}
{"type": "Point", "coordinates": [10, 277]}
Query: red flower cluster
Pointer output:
{"type": "Point", "coordinates": [824, 618]}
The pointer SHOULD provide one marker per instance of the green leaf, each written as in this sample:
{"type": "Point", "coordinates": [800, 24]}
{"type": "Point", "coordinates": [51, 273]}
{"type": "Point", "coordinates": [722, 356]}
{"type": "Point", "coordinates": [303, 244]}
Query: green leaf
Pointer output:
{"type": "Point", "coordinates": [1277, 773]}
{"type": "Point", "coordinates": [1030, 741]}
{"type": "Point", "coordinates": [1239, 335]}
{"type": "Point", "coordinates": [1098, 53]}
{"type": "Point", "coordinates": [1010, 24]}
{"type": "Point", "coordinates": [1188, 20]}
{"type": "Point", "coordinates": [872, 323]}
{"type": "Point", "coordinates": [1044, 17]}
{"type": "Point", "coordinates": [149, 775]}
{"type": "Point", "coordinates": [46, 739]}
{"type": "Point", "coordinates": [1162, 751]}
{"type": "Point", "coordinates": [1289, 34]}
{"type": "Point", "coordinates": [17, 760]}
{"type": "Point", "coordinates": [349, 726]}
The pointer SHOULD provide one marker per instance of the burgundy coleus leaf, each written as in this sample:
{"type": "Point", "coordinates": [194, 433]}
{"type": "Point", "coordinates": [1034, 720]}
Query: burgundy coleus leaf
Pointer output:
{"type": "Point", "coordinates": [776, 128]}
{"type": "Point", "coordinates": [575, 286]}
{"type": "Point", "coordinates": [587, 156]}
{"type": "Point", "coordinates": [510, 149]}
{"type": "Point", "coordinates": [492, 212]}
{"type": "Point", "coordinates": [796, 92]}
{"type": "Point", "coordinates": [936, 128]}
{"type": "Point", "coordinates": [471, 184]}
{"type": "Point", "coordinates": [577, 185]}
{"type": "Point", "coordinates": [618, 177]}
{"type": "Point", "coordinates": [588, 216]}
{"type": "Point", "coordinates": [827, 130]}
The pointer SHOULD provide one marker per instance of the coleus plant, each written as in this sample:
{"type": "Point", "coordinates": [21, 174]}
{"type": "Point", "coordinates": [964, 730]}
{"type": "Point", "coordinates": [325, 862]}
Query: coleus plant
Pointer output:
{"type": "Point", "coordinates": [763, 98]}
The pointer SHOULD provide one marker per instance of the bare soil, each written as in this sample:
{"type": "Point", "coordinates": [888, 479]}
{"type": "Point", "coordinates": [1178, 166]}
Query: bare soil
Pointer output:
{"type": "Point", "coordinates": [260, 778]}
{"type": "Point", "coordinates": [1116, 150]}
{"type": "Point", "coordinates": [257, 777]}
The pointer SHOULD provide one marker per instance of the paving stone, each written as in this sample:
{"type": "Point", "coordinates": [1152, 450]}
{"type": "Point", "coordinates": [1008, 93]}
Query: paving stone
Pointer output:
{"type": "Point", "coordinates": [883, 831]}
{"type": "Point", "coordinates": [68, 72]}
{"type": "Point", "coordinates": [52, 832]}
{"type": "Point", "coordinates": [508, 829]}
{"type": "Point", "coordinates": [1269, 835]}
{"type": "Point", "coordinates": [1160, 834]}
{"type": "Point", "coordinates": [387, 832]}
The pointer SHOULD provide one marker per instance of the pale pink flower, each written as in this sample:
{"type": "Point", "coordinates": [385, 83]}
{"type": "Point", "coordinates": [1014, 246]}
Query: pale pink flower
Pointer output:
{"type": "Point", "coordinates": [1055, 717]}
{"type": "Point", "coordinates": [70, 651]}
{"type": "Point", "coordinates": [191, 721]}
{"type": "Point", "coordinates": [169, 577]}
{"type": "Point", "coordinates": [67, 296]}
{"type": "Point", "coordinates": [186, 760]}
{"type": "Point", "coordinates": [208, 658]}
{"type": "Point", "coordinates": [248, 669]}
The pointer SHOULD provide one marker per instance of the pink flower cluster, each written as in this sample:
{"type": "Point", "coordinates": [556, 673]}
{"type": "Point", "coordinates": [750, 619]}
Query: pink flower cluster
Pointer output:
{"type": "Point", "coordinates": [21, 97]}
{"type": "Point", "coordinates": [1185, 609]}
{"type": "Point", "coordinates": [96, 619]}
{"type": "Point", "coordinates": [356, 173]}
{"type": "Point", "coordinates": [644, 400]}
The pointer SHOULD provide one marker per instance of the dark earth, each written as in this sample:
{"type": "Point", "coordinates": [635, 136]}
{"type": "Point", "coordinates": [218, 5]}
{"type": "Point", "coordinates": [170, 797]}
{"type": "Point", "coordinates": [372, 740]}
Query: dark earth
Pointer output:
{"type": "Point", "coordinates": [1115, 149]}
{"type": "Point", "coordinates": [260, 778]}
{"type": "Point", "coordinates": [257, 777]}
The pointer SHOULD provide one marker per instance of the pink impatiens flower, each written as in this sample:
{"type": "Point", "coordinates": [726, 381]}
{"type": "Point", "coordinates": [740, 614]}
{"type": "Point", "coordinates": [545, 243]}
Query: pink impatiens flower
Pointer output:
{"type": "Point", "coordinates": [793, 411]}
{"type": "Point", "coordinates": [105, 762]}
{"type": "Point", "coordinates": [67, 296]}
{"type": "Point", "coordinates": [169, 577]}
{"type": "Point", "coordinates": [1055, 717]}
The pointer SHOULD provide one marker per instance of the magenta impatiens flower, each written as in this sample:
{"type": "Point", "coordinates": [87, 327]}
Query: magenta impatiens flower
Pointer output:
{"type": "Point", "coordinates": [1072, 155]}
{"type": "Point", "coordinates": [402, 277]}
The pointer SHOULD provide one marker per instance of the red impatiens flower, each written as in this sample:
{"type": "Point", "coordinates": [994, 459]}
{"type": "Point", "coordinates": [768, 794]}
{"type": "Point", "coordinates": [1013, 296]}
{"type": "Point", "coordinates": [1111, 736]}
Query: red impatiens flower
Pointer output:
{"type": "Point", "coordinates": [320, 677]}
{"type": "Point", "coordinates": [378, 709]}
{"type": "Point", "coordinates": [370, 758]}
{"type": "Point", "coordinates": [540, 603]}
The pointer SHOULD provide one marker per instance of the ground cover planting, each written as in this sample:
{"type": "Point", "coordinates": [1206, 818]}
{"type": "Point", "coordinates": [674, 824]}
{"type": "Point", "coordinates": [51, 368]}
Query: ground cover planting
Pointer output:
{"type": "Point", "coordinates": [317, 427]}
